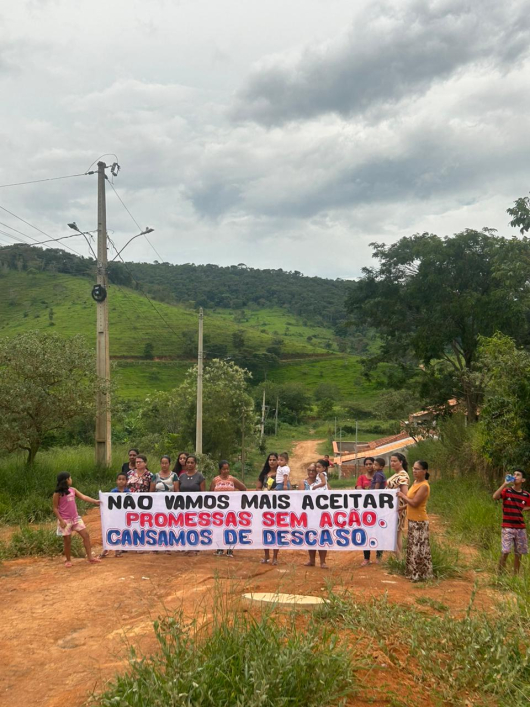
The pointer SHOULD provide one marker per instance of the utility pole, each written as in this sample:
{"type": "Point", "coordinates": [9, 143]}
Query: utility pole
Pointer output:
{"type": "Point", "coordinates": [103, 428]}
{"type": "Point", "coordinates": [276, 417]}
{"type": "Point", "coordinates": [200, 357]}
{"type": "Point", "coordinates": [262, 427]}
{"type": "Point", "coordinates": [243, 448]}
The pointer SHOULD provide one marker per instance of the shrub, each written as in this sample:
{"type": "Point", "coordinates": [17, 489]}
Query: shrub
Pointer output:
{"type": "Point", "coordinates": [238, 662]}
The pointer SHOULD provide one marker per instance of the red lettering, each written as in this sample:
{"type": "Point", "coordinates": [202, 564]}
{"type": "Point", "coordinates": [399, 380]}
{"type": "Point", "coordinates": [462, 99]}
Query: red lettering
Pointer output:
{"type": "Point", "coordinates": [190, 520]}
{"type": "Point", "coordinates": [299, 521]}
{"type": "Point", "coordinates": [354, 519]}
{"type": "Point", "coordinates": [218, 519]}
{"type": "Point", "coordinates": [245, 519]}
{"type": "Point", "coordinates": [131, 518]}
{"type": "Point", "coordinates": [282, 520]}
{"type": "Point", "coordinates": [205, 519]}
{"type": "Point", "coordinates": [268, 519]}
{"type": "Point", "coordinates": [339, 518]}
{"type": "Point", "coordinates": [369, 518]}
{"type": "Point", "coordinates": [161, 520]}
{"type": "Point", "coordinates": [146, 519]}
{"type": "Point", "coordinates": [326, 520]}
{"type": "Point", "coordinates": [231, 519]}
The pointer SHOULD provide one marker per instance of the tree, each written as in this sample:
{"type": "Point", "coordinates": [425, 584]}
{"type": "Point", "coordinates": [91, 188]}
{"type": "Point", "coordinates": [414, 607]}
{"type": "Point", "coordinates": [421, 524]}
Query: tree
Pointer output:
{"type": "Point", "coordinates": [326, 408]}
{"type": "Point", "coordinates": [327, 390]}
{"type": "Point", "coordinates": [149, 351]}
{"type": "Point", "coordinates": [432, 298]}
{"type": "Point", "coordinates": [46, 384]}
{"type": "Point", "coordinates": [505, 416]}
{"type": "Point", "coordinates": [227, 408]}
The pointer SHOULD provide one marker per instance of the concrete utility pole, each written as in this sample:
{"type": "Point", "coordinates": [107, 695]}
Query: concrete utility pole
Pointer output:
{"type": "Point", "coordinates": [276, 417]}
{"type": "Point", "coordinates": [243, 448]}
{"type": "Point", "coordinates": [262, 426]}
{"type": "Point", "coordinates": [103, 422]}
{"type": "Point", "coordinates": [200, 357]}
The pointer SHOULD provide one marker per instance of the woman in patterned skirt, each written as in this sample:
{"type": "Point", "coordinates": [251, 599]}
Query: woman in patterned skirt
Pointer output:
{"type": "Point", "coordinates": [419, 560]}
{"type": "Point", "coordinates": [399, 480]}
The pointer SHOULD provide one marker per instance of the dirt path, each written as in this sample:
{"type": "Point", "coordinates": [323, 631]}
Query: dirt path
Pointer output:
{"type": "Point", "coordinates": [64, 633]}
{"type": "Point", "coordinates": [303, 454]}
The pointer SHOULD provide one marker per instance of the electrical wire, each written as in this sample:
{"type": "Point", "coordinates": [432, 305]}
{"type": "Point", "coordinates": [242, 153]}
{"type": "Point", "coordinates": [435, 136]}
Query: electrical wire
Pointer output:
{"type": "Point", "coordinates": [48, 179]}
{"type": "Point", "coordinates": [36, 229]}
{"type": "Point", "coordinates": [144, 293]}
{"type": "Point", "coordinates": [136, 222]}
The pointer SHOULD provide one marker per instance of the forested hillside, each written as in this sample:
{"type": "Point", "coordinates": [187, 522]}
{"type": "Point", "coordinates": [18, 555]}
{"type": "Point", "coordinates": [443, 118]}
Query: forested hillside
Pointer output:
{"type": "Point", "coordinates": [236, 287]}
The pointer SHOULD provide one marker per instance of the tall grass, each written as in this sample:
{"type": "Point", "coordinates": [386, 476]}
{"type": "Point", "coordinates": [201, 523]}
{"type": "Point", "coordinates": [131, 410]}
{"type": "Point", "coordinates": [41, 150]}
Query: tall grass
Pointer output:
{"type": "Point", "coordinates": [238, 661]}
{"type": "Point", "coordinates": [26, 494]}
{"type": "Point", "coordinates": [446, 561]}
{"type": "Point", "coordinates": [478, 659]}
{"type": "Point", "coordinates": [34, 542]}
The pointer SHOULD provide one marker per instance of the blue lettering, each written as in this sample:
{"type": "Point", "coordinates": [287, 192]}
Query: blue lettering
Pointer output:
{"type": "Point", "coordinates": [244, 537]}
{"type": "Point", "coordinates": [113, 536]}
{"type": "Point", "coordinates": [343, 537]}
{"type": "Point", "coordinates": [297, 537]}
{"type": "Point", "coordinates": [310, 537]}
{"type": "Point", "coordinates": [269, 537]}
{"type": "Point", "coordinates": [326, 538]}
{"type": "Point", "coordinates": [358, 536]}
{"type": "Point", "coordinates": [282, 538]}
{"type": "Point", "coordinates": [192, 538]}
{"type": "Point", "coordinates": [230, 537]}
{"type": "Point", "coordinates": [206, 536]}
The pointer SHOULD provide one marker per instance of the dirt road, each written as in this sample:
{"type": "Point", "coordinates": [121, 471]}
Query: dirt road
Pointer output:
{"type": "Point", "coordinates": [64, 633]}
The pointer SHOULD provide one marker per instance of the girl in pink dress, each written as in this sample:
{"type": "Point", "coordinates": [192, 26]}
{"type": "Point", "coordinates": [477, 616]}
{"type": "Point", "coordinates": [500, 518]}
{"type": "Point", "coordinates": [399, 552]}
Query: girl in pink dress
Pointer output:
{"type": "Point", "coordinates": [68, 518]}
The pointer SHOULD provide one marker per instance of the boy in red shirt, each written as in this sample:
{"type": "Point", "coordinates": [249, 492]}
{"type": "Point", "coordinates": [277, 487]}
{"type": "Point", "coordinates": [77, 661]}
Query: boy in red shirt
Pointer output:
{"type": "Point", "coordinates": [514, 502]}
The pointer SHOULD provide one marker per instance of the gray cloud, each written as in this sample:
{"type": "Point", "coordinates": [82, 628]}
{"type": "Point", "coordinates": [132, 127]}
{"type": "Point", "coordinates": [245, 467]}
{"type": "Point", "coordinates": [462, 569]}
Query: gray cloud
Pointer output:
{"type": "Point", "coordinates": [393, 50]}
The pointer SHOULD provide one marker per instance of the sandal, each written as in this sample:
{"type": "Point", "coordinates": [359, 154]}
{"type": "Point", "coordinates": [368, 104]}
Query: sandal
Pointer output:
{"type": "Point", "coordinates": [275, 562]}
{"type": "Point", "coordinates": [309, 564]}
{"type": "Point", "coordinates": [365, 563]}
{"type": "Point", "coordinates": [67, 563]}
{"type": "Point", "coordinates": [94, 560]}
{"type": "Point", "coordinates": [264, 561]}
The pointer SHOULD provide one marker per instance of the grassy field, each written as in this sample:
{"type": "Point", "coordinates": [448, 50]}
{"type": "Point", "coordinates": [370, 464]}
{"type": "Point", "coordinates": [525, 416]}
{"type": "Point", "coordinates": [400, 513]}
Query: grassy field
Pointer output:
{"type": "Point", "coordinates": [342, 371]}
{"type": "Point", "coordinates": [38, 301]}
{"type": "Point", "coordinates": [62, 303]}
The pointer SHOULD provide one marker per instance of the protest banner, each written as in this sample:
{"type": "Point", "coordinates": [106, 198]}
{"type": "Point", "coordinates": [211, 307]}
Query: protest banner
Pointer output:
{"type": "Point", "coordinates": [296, 520]}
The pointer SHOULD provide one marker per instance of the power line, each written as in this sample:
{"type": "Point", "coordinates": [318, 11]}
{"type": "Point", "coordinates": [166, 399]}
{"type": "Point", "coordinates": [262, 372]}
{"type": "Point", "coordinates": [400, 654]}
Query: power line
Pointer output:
{"type": "Point", "coordinates": [144, 293]}
{"type": "Point", "coordinates": [135, 221]}
{"type": "Point", "coordinates": [36, 229]}
{"type": "Point", "coordinates": [48, 179]}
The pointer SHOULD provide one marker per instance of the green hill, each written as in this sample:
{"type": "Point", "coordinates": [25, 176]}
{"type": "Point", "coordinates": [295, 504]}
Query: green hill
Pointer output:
{"type": "Point", "coordinates": [153, 343]}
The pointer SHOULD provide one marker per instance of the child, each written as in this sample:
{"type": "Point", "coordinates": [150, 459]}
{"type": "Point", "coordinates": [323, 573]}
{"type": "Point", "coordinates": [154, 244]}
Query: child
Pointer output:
{"type": "Point", "coordinates": [514, 502]}
{"type": "Point", "coordinates": [121, 483]}
{"type": "Point", "coordinates": [68, 518]}
{"type": "Point", "coordinates": [378, 481]}
{"type": "Point", "coordinates": [121, 487]}
{"type": "Point", "coordinates": [282, 473]}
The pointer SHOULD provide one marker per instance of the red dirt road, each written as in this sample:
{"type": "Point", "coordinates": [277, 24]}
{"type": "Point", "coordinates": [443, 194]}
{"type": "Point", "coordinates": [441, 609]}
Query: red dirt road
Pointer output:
{"type": "Point", "coordinates": [64, 633]}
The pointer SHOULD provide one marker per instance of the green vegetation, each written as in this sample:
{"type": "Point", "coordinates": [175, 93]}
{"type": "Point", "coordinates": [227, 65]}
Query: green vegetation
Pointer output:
{"type": "Point", "coordinates": [35, 542]}
{"type": "Point", "coordinates": [446, 561]}
{"type": "Point", "coordinates": [479, 658]}
{"type": "Point", "coordinates": [237, 660]}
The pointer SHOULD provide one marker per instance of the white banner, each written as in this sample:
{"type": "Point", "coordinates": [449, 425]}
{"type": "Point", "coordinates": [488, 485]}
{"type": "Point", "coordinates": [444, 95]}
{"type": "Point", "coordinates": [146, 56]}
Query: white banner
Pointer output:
{"type": "Point", "coordinates": [295, 520]}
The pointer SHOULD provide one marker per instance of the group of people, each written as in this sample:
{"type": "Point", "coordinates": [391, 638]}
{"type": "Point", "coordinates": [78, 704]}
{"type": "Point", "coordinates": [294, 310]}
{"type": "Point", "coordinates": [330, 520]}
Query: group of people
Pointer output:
{"type": "Point", "coordinates": [135, 477]}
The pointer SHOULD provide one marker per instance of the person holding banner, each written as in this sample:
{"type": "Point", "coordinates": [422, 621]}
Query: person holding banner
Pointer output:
{"type": "Point", "coordinates": [316, 481]}
{"type": "Point", "coordinates": [165, 479]}
{"type": "Point", "coordinates": [419, 560]}
{"type": "Point", "coordinates": [267, 482]}
{"type": "Point", "coordinates": [365, 479]}
{"type": "Point", "coordinates": [191, 481]}
{"type": "Point", "coordinates": [221, 484]}
{"type": "Point", "coordinates": [139, 479]}
{"type": "Point", "coordinates": [399, 480]}
{"type": "Point", "coordinates": [180, 464]}
{"type": "Point", "coordinates": [267, 477]}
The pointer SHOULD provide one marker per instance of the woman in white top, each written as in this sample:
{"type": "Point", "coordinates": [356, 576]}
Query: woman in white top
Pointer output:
{"type": "Point", "coordinates": [316, 482]}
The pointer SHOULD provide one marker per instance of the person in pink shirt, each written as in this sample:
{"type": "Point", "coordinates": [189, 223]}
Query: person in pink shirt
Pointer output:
{"type": "Point", "coordinates": [365, 479]}
{"type": "Point", "coordinates": [68, 518]}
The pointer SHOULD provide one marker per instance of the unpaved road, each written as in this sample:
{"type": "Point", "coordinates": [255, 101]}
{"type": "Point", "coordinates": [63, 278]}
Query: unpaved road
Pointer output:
{"type": "Point", "coordinates": [64, 633]}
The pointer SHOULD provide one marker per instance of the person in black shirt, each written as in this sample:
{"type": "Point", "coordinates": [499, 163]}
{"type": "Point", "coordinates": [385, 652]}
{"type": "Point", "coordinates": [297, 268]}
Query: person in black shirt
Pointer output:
{"type": "Point", "coordinates": [131, 464]}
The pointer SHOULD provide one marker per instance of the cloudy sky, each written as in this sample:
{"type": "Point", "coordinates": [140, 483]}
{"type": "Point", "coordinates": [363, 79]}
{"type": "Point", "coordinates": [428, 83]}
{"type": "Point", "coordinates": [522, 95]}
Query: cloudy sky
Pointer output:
{"type": "Point", "coordinates": [284, 133]}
